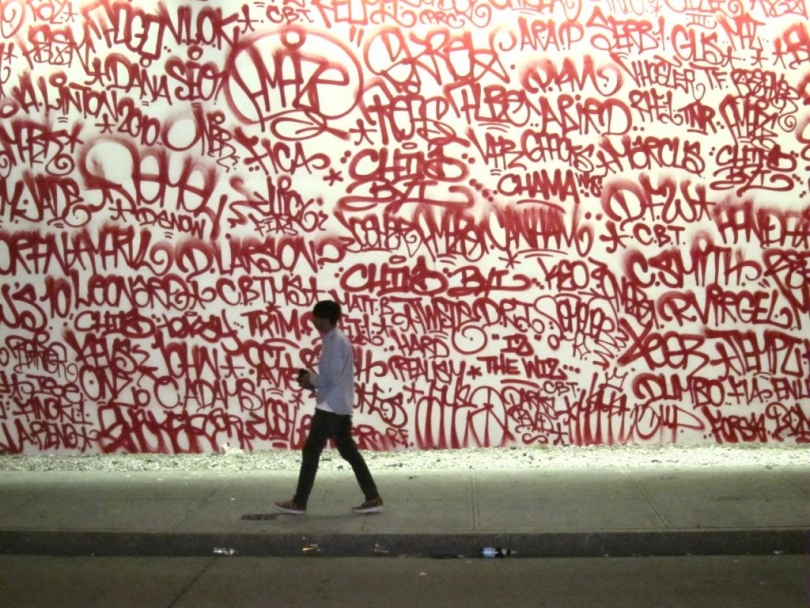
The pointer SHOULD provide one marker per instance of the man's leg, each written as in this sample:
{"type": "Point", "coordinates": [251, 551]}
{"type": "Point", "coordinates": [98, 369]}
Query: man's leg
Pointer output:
{"type": "Point", "coordinates": [347, 448]}
{"type": "Point", "coordinates": [320, 430]}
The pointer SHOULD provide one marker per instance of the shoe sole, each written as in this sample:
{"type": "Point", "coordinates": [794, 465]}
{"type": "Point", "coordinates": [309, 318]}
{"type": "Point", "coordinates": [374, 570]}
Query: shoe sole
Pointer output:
{"type": "Point", "coordinates": [370, 510]}
{"type": "Point", "coordinates": [289, 511]}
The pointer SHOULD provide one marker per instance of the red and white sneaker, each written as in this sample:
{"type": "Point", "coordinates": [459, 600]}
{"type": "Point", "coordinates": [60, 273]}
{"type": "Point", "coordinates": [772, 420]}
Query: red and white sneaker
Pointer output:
{"type": "Point", "coordinates": [375, 505]}
{"type": "Point", "coordinates": [291, 507]}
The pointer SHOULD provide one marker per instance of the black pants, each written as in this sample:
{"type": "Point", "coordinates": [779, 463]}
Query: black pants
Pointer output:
{"type": "Point", "coordinates": [325, 426]}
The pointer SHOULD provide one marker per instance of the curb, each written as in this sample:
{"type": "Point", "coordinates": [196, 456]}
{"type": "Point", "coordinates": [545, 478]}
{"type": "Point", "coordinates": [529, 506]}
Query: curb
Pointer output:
{"type": "Point", "coordinates": [548, 545]}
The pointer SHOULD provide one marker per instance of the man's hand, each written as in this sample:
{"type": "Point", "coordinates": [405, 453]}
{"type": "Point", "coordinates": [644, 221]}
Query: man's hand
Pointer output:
{"type": "Point", "coordinates": [303, 379]}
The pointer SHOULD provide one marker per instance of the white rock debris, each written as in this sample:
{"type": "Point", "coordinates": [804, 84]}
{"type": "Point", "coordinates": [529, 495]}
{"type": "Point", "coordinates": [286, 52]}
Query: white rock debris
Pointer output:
{"type": "Point", "coordinates": [240, 459]}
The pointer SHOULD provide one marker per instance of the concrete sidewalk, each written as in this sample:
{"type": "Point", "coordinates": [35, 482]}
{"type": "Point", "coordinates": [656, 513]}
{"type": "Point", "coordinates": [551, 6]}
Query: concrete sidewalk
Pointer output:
{"type": "Point", "coordinates": [439, 513]}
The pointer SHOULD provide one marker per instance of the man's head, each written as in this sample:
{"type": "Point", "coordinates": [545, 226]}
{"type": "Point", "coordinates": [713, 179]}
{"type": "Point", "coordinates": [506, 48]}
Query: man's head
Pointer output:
{"type": "Point", "coordinates": [325, 315]}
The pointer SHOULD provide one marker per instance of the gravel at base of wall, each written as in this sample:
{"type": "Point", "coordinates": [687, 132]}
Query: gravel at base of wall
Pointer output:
{"type": "Point", "coordinates": [485, 458]}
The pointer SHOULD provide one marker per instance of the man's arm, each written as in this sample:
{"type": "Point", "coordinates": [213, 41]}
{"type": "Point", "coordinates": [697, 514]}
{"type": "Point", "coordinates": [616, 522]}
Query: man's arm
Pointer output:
{"type": "Point", "coordinates": [334, 366]}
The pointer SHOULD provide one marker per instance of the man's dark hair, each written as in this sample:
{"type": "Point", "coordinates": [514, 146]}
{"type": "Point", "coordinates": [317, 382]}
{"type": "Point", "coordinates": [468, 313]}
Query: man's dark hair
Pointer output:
{"type": "Point", "coordinates": [327, 309]}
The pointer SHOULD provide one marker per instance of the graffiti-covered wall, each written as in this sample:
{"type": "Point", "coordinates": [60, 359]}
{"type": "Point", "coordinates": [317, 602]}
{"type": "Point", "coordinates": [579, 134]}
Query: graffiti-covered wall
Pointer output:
{"type": "Point", "coordinates": [568, 223]}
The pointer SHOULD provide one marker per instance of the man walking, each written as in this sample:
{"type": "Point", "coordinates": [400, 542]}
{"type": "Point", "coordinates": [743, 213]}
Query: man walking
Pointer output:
{"type": "Point", "coordinates": [334, 389]}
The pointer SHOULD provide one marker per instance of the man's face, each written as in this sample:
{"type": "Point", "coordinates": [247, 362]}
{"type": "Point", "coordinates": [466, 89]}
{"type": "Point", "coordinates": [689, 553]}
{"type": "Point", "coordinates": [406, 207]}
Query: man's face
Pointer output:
{"type": "Point", "coordinates": [322, 324]}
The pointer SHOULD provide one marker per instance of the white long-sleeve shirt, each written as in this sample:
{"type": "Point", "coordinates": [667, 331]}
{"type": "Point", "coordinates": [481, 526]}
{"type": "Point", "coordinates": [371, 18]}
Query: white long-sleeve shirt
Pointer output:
{"type": "Point", "coordinates": [334, 381]}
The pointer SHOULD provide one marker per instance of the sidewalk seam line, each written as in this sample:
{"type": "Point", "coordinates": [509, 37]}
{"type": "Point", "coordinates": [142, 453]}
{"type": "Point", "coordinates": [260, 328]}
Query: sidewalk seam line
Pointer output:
{"type": "Point", "coordinates": [473, 489]}
{"type": "Point", "coordinates": [649, 502]}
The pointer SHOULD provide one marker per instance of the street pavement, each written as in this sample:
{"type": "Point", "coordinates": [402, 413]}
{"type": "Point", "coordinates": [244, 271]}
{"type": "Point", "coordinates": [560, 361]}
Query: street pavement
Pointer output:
{"type": "Point", "coordinates": [583, 512]}
{"type": "Point", "coordinates": [37, 581]}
